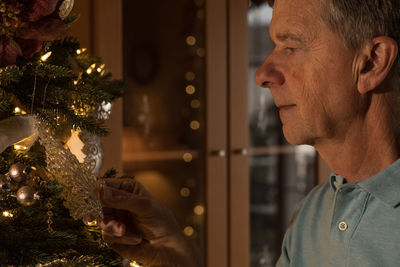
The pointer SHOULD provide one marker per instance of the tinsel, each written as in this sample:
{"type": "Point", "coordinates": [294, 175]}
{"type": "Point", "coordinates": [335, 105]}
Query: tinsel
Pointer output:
{"type": "Point", "coordinates": [80, 186]}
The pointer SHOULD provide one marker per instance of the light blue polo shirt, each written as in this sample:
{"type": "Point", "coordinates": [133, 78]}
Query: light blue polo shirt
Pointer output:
{"type": "Point", "coordinates": [347, 224]}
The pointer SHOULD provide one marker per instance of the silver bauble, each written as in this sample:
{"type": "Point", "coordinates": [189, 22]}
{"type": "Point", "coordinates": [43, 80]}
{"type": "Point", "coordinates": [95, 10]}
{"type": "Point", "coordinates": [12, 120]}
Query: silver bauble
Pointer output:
{"type": "Point", "coordinates": [65, 8]}
{"type": "Point", "coordinates": [26, 195]}
{"type": "Point", "coordinates": [93, 149]}
{"type": "Point", "coordinates": [104, 111]}
{"type": "Point", "coordinates": [17, 172]}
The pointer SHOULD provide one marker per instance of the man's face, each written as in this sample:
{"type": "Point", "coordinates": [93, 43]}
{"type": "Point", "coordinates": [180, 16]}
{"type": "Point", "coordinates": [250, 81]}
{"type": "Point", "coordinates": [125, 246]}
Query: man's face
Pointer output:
{"type": "Point", "coordinates": [310, 74]}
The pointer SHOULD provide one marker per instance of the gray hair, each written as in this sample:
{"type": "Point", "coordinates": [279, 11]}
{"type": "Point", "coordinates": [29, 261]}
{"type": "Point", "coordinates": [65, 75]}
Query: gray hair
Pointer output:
{"type": "Point", "coordinates": [357, 21]}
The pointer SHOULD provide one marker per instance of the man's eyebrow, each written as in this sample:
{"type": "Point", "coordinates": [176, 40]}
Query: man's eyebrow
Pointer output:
{"type": "Point", "coordinates": [287, 36]}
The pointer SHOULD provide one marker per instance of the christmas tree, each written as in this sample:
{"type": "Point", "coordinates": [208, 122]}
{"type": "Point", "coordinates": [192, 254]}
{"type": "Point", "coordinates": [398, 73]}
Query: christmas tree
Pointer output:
{"type": "Point", "coordinates": [54, 98]}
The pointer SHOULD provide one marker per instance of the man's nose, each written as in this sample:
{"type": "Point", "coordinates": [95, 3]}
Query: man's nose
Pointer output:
{"type": "Point", "coordinates": [268, 75]}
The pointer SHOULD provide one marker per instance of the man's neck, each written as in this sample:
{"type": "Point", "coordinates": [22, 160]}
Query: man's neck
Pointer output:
{"type": "Point", "coordinates": [367, 147]}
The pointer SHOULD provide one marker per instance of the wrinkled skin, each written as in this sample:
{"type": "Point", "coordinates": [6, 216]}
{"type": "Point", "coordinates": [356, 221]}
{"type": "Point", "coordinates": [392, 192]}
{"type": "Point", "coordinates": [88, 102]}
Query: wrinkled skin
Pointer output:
{"type": "Point", "coordinates": [141, 229]}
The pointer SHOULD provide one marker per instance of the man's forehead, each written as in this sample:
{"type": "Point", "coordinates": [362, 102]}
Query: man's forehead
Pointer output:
{"type": "Point", "coordinates": [295, 19]}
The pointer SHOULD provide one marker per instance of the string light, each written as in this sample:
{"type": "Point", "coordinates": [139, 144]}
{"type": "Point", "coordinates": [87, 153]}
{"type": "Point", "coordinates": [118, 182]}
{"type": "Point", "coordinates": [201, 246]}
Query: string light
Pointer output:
{"type": "Point", "coordinates": [188, 231]}
{"type": "Point", "coordinates": [198, 210]}
{"type": "Point", "coordinates": [89, 70]}
{"type": "Point", "coordinates": [190, 40]}
{"type": "Point", "coordinates": [7, 214]}
{"type": "Point", "coordinates": [195, 103]}
{"type": "Point", "coordinates": [19, 111]}
{"type": "Point", "coordinates": [190, 89]}
{"type": "Point", "coordinates": [185, 192]}
{"type": "Point", "coordinates": [134, 264]}
{"type": "Point", "coordinates": [19, 147]}
{"type": "Point", "coordinates": [190, 76]}
{"type": "Point", "coordinates": [80, 51]}
{"type": "Point", "coordinates": [195, 125]}
{"type": "Point", "coordinates": [92, 223]}
{"type": "Point", "coordinates": [201, 52]}
{"type": "Point", "coordinates": [45, 56]}
{"type": "Point", "coordinates": [187, 157]}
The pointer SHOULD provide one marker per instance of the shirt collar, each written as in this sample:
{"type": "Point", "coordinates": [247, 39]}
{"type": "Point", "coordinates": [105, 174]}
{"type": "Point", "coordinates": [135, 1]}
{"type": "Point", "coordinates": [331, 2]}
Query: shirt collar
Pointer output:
{"type": "Point", "coordinates": [384, 186]}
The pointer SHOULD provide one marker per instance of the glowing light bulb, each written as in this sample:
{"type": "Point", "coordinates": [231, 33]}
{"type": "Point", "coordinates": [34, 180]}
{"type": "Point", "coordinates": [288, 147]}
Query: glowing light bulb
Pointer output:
{"type": "Point", "coordinates": [7, 214]}
{"type": "Point", "coordinates": [198, 210]}
{"type": "Point", "coordinates": [190, 40]}
{"type": "Point", "coordinates": [185, 192]}
{"type": "Point", "coordinates": [89, 70]}
{"type": "Point", "coordinates": [188, 231]}
{"type": "Point", "coordinates": [45, 56]}
{"type": "Point", "coordinates": [75, 82]}
{"type": "Point", "coordinates": [195, 125]}
{"type": "Point", "coordinates": [190, 89]}
{"type": "Point", "coordinates": [195, 103]}
{"type": "Point", "coordinates": [187, 157]}
{"type": "Point", "coordinates": [190, 76]}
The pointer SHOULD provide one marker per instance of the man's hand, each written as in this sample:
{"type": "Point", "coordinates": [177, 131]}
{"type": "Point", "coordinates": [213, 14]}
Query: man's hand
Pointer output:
{"type": "Point", "coordinates": [141, 229]}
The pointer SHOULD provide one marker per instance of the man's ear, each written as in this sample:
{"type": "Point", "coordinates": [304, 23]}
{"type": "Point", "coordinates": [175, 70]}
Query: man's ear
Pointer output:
{"type": "Point", "coordinates": [376, 62]}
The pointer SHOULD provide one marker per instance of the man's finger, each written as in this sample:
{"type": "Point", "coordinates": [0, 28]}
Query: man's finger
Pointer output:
{"type": "Point", "coordinates": [113, 228]}
{"type": "Point", "coordinates": [128, 239]}
{"type": "Point", "coordinates": [117, 199]}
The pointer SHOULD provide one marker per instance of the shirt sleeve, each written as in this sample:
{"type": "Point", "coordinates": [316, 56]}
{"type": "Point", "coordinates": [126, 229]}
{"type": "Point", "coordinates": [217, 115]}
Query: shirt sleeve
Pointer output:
{"type": "Point", "coordinates": [286, 255]}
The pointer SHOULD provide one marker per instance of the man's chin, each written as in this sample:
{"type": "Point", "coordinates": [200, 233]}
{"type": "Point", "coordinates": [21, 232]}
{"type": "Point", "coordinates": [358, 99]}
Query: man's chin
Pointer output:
{"type": "Point", "coordinates": [295, 137]}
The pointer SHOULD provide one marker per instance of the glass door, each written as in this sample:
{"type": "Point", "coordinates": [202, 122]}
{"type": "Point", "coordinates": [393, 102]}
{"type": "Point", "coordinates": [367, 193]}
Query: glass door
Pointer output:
{"type": "Point", "coordinates": [163, 110]}
{"type": "Point", "coordinates": [280, 174]}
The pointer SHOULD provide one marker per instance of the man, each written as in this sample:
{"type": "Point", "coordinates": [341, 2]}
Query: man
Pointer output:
{"type": "Point", "coordinates": [334, 75]}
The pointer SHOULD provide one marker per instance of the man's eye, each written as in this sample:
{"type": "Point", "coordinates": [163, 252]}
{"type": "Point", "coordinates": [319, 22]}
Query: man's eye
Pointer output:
{"type": "Point", "coordinates": [290, 49]}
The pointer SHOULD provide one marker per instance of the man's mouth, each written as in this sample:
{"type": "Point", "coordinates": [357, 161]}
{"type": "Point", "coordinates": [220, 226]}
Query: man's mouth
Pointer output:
{"type": "Point", "coordinates": [284, 107]}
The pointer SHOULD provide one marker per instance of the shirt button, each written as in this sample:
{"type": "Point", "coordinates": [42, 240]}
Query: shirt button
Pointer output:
{"type": "Point", "coordinates": [342, 226]}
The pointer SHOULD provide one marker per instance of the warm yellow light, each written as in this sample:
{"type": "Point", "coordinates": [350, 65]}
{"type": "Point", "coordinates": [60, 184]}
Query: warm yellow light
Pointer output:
{"type": "Point", "coordinates": [134, 264]}
{"type": "Point", "coordinates": [185, 192]}
{"type": "Point", "coordinates": [98, 69]}
{"type": "Point", "coordinates": [201, 52]}
{"type": "Point", "coordinates": [200, 14]}
{"type": "Point", "coordinates": [33, 168]}
{"type": "Point", "coordinates": [92, 223]}
{"type": "Point", "coordinates": [17, 147]}
{"type": "Point", "coordinates": [188, 231]}
{"type": "Point", "coordinates": [17, 110]}
{"type": "Point", "coordinates": [93, 66]}
{"type": "Point", "coordinates": [75, 82]}
{"type": "Point", "coordinates": [80, 51]}
{"type": "Point", "coordinates": [195, 103]}
{"type": "Point", "coordinates": [7, 214]}
{"type": "Point", "coordinates": [187, 157]}
{"type": "Point", "coordinates": [89, 70]}
{"type": "Point", "coordinates": [194, 125]}
{"type": "Point", "coordinates": [190, 89]}
{"type": "Point", "coordinates": [199, 210]}
{"type": "Point", "coordinates": [23, 112]}
{"type": "Point", "coordinates": [190, 40]}
{"type": "Point", "coordinates": [190, 75]}
{"type": "Point", "coordinates": [45, 56]}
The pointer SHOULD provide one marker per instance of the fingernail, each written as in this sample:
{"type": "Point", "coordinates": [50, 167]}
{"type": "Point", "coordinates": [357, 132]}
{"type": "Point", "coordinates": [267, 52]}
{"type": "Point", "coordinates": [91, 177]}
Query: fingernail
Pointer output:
{"type": "Point", "coordinates": [119, 229]}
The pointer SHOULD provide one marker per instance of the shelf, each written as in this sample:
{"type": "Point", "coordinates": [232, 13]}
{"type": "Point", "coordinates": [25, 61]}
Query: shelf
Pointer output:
{"type": "Point", "coordinates": [184, 155]}
{"type": "Point", "coordinates": [264, 209]}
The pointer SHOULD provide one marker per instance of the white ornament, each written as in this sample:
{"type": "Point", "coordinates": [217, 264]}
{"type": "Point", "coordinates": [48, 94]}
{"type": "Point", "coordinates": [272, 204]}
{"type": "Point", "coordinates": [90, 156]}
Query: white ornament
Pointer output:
{"type": "Point", "coordinates": [65, 8]}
